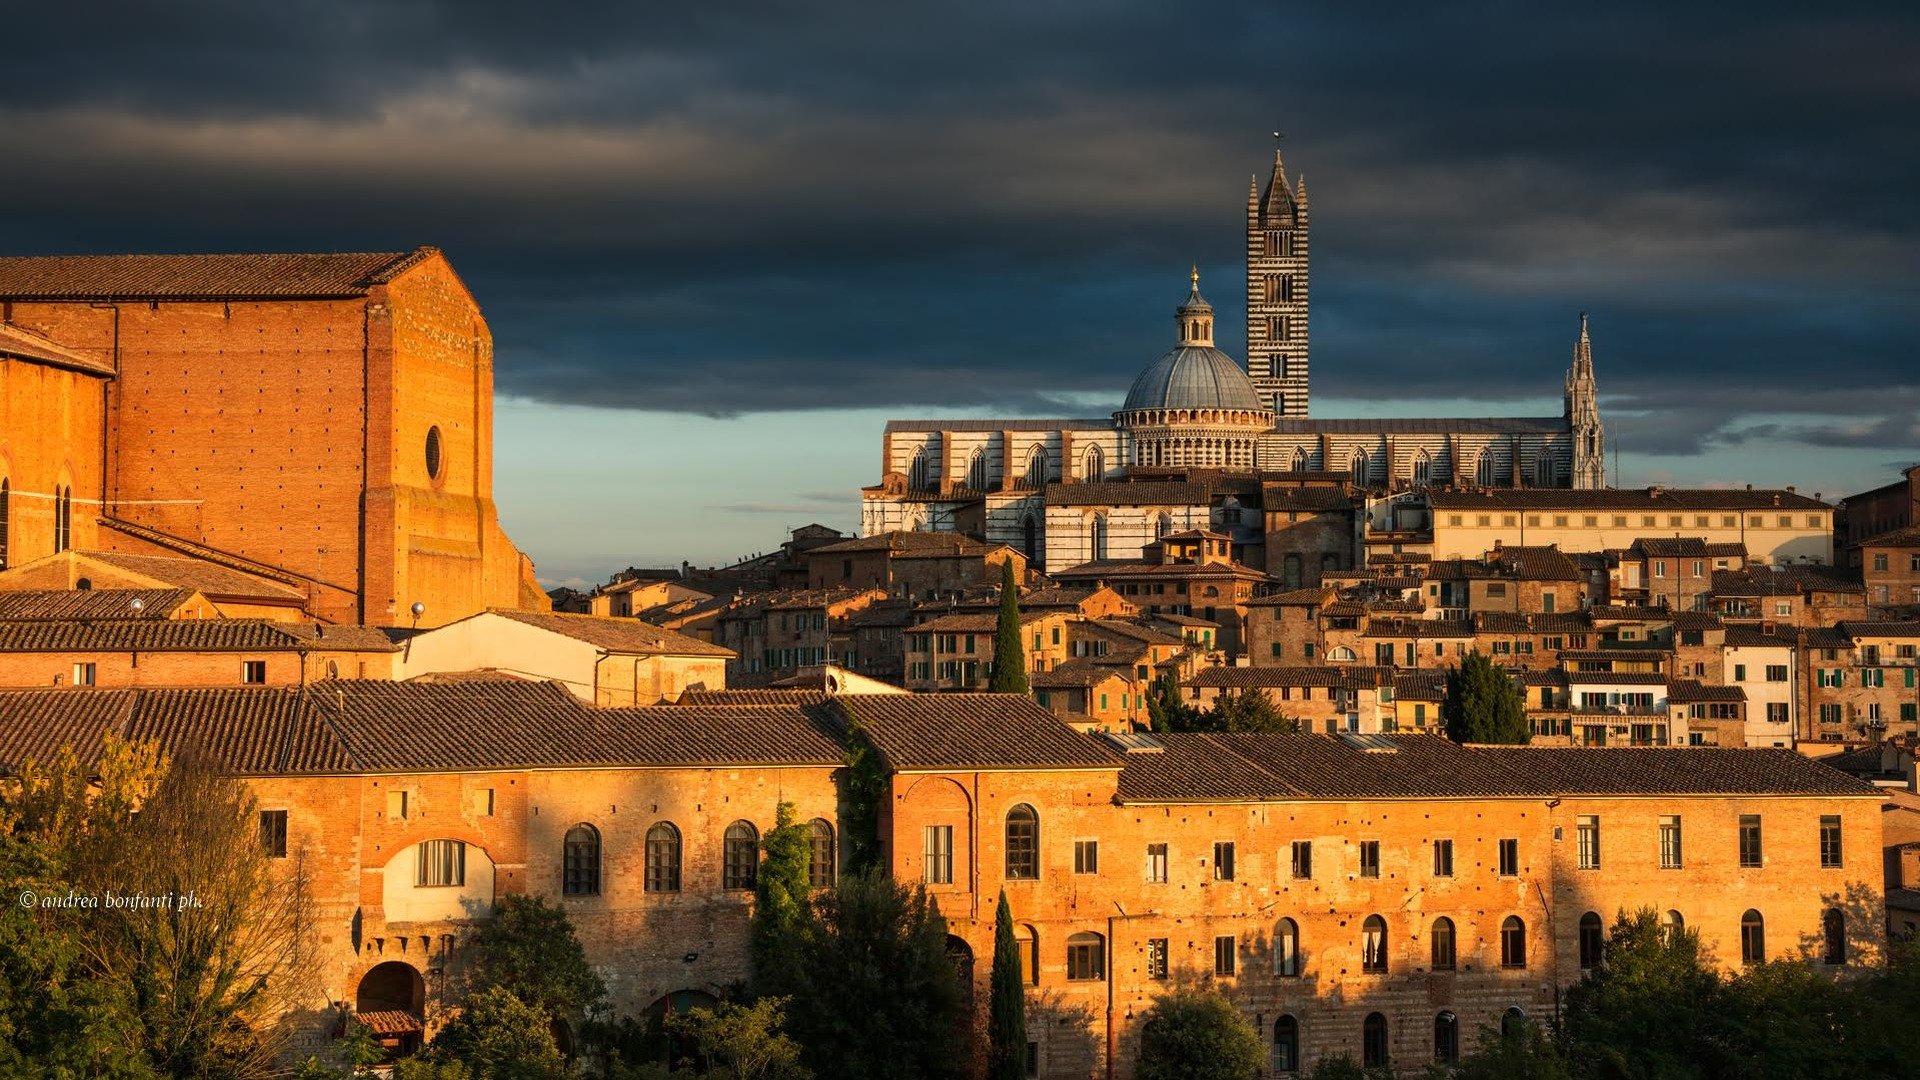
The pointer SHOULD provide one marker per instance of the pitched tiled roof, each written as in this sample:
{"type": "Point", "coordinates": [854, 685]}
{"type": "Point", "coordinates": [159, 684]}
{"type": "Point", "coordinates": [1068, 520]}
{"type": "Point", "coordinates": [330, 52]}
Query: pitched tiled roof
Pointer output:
{"type": "Point", "coordinates": [903, 542]}
{"type": "Point", "coordinates": [1908, 537]}
{"type": "Point", "coordinates": [1313, 499]}
{"type": "Point", "coordinates": [1248, 767]}
{"type": "Point", "coordinates": [1684, 547]}
{"type": "Point", "coordinates": [182, 635]}
{"type": "Point", "coordinates": [36, 604]}
{"type": "Point", "coordinates": [1137, 568]}
{"type": "Point", "coordinates": [1857, 629]}
{"type": "Point", "coordinates": [252, 731]}
{"type": "Point", "coordinates": [1291, 598]}
{"type": "Point", "coordinates": [1134, 631]}
{"type": "Point", "coordinates": [614, 635]}
{"type": "Point", "coordinates": [799, 732]}
{"type": "Point", "coordinates": [1684, 691]}
{"type": "Point", "coordinates": [1785, 580]}
{"type": "Point", "coordinates": [1420, 685]}
{"type": "Point", "coordinates": [1077, 672]}
{"type": "Point", "coordinates": [36, 724]}
{"type": "Point", "coordinates": [763, 696]}
{"type": "Point", "coordinates": [201, 277]}
{"type": "Point", "coordinates": [1418, 628]}
{"type": "Point", "coordinates": [969, 731]}
{"type": "Point", "coordinates": [1648, 499]}
{"type": "Point", "coordinates": [1537, 564]}
{"type": "Point", "coordinates": [15, 341]}
{"type": "Point", "coordinates": [200, 575]}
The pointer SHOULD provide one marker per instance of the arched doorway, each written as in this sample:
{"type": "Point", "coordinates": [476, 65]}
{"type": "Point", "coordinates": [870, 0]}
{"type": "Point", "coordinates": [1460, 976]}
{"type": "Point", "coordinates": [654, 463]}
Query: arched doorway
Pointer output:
{"type": "Point", "coordinates": [674, 1049]}
{"type": "Point", "coordinates": [391, 1000]}
{"type": "Point", "coordinates": [962, 955]}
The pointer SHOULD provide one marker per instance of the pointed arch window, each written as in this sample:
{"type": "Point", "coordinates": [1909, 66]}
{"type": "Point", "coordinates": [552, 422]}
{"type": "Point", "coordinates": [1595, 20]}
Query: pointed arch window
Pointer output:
{"type": "Point", "coordinates": [6, 528]}
{"type": "Point", "coordinates": [1487, 473]}
{"type": "Point", "coordinates": [582, 861]}
{"type": "Point", "coordinates": [1422, 469]}
{"type": "Point", "coordinates": [741, 856]}
{"type": "Point", "coordinates": [663, 858]}
{"type": "Point", "coordinates": [1361, 468]}
{"type": "Point", "coordinates": [1162, 525]}
{"type": "Point", "coordinates": [1544, 473]}
{"type": "Point", "coordinates": [1094, 465]}
{"type": "Point", "coordinates": [977, 471]}
{"type": "Point", "coordinates": [1299, 459]}
{"type": "Point", "coordinates": [1097, 537]}
{"type": "Point", "coordinates": [917, 476]}
{"type": "Point", "coordinates": [62, 518]}
{"type": "Point", "coordinates": [1023, 843]}
{"type": "Point", "coordinates": [1036, 477]}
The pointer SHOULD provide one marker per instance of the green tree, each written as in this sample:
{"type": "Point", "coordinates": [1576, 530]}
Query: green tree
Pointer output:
{"type": "Point", "coordinates": [528, 948]}
{"type": "Point", "coordinates": [1250, 709]}
{"type": "Point", "coordinates": [876, 989]}
{"type": "Point", "coordinates": [1483, 705]}
{"type": "Point", "coordinates": [865, 790]}
{"type": "Point", "coordinates": [497, 1036]}
{"type": "Point", "coordinates": [1337, 1067]}
{"type": "Point", "coordinates": [1198, 1035]}
{"type": "Point", "coordinates": [1165, 711]}
{"type": "Point", "coordinates": [1009, 653]}
{"type": "Point", "coordinates": [743, 1042]}
{"type": "Point", "coordinates": [1007, 1006]}
{"type": "Point", "coordinates": [781, 896]}
{"type": "Point", "coordinates": [1652, 1011]}
{"type": "Point", "coordinates": [1522, 1053]}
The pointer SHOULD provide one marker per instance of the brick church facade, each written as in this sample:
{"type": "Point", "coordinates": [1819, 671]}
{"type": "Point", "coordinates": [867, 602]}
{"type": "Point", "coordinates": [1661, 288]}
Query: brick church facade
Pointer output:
{"type": "Point", "coordinates": [320, 421]}
{"type": "Point", "coordinates": [1196, 408]}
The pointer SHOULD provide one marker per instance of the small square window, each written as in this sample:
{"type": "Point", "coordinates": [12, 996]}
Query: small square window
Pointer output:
{"type": "Point", "coordinates": [253, 672]}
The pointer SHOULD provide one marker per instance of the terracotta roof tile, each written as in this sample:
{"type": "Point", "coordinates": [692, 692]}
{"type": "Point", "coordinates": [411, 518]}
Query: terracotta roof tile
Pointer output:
{"type": "Point", "coordinates": [210, 578]}
{"type": "Point", "coordinates": [970, 731]}
{"type": "Point", "coordinates": [37, 604]}
{"type": "Point", "coordinates": [181, 635]}
{"type": "Point", "coordinates": [614, 635]}
{"type": "Point", "coordinates": [200, 277]}
{"type": "Point", "coordinates": [15, 341]}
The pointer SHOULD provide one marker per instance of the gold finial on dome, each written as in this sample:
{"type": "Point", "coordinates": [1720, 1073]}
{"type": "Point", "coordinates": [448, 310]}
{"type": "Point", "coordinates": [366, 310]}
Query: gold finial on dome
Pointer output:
{"type": "Point", "coordinates": [1195, 275]}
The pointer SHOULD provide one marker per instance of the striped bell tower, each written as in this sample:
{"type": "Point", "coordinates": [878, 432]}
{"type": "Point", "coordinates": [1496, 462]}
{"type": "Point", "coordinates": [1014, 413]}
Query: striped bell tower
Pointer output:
{"type": "Point", "coordinates": [1277, 290]}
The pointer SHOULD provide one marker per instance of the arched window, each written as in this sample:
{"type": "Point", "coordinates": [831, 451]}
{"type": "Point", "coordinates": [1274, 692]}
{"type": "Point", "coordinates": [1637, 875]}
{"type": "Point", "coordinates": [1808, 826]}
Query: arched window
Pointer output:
{"type": "Point", "coordinates": [582, 850]}
{"type": "Point", "coordinates": [1373, 944]}
{"type": "Point", "coordinates": [1290, 571]}
{"type": "Point", "coordinates": [1299, 459]}
{"type": "Point", "coordinates": [1036, 477]}
{"type": "Point", "coordinates": [1373, 1042]}
{"type": "Point", "coordinates": [1513, 1022]}
{"type": "Point", "coordinates": [1162, 525]}
{"type": "Point", "coordinates": [1513, 943]}
{"type": "Point", "coordinates": [1286, 948]}
{"type": "Point", "coordinates": [1097, 537]}
{"type": "Point", "coordinates": [821, 864]}
{"type": "Point", "coordinates": [1086, 957]}
{"type": "Point", "coordinates": [1341, 654]}
{"type": "Point", "coordinates": [1423, 474]}
{"type": "Point", "coordinates": [663, 858]}
{"type": "Point", "coordinates": [1753, 938]}
{"type": "Point", "coordinates": [1023, 843]}
{"type": "Point", "coordinates": [6, 533]}
{"type": "Point", "coordinates": [1361, 468]}
{"type": "Point", "coordinates": [62, 518]}
{"type": "Point", "coordinates": [1592, 940]}
{"type": "Point", "coordinates": [1442, 941]}
{"type": "Point", "coordinates": [740, 855]}
{"type": "Point", "coordinates": [1286, 1044]}
{"type": "Point", "coordinates": [1094, 465]}
{"type": "Point", "coordinates": [1543, 470]}
{"type": "Point", "coordinates": [1030, 538]}
{"type": "Point", "coordinates": [1026, 941]}
{"type": "Point", "coordinates": [1833, 931]}
{"type": "Point", "coordinates": [1488, 471]}
{"type": "Point", "coordinates": [1446, 1037]}
{"type": "Point", "coordinates": [977, 471]}
{"type": "Point", "coordinates": [917, 479]}
{"type": "Point", "coordinates": [1673, 924]}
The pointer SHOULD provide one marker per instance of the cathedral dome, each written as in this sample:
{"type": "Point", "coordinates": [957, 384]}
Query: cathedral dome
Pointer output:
{"type": "Point", "coordinates": [1193, 377]}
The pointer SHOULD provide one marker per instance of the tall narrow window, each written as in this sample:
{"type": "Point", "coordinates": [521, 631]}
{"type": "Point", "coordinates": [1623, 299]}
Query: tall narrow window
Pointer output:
{"type": "Point", "coordinates": [937, 850]}
{"type": "Point", "coordinates": [1226, 953]}
{"type": "Point", "coordinates": [1286, 1045]}
{"type": "Point", "coordinates": [1833, 933]}
{"type": "Point", "coordinates": [1446, 1037]}
{"type": "Point", "coordinates": [1670, 842]}
{"type": "Point", "coordinates": [1097, 537]}
{"type": "Point", "coordinates": [1443, 858]}
{"type": "Point", "coordinates": [1286, 948]}
{"type": "Point", "coordinates": [821, 864]}
{"type": "Point", "coordinates": [917, 477]}
{"type": "Point", "coordinates": [1830, 851]}
{"type": "Point", "coordinates": [1509, 858]}
{"type": "Point", "coordinates": [273, 833]}
{"type": "Point", "coordinates": [1592, 940]}
{"type": "Point", "coordinates": [1441, 938]}
{"type": "Point", "coordinates": [1373, 945]}
{"type": "Point", "coordinates": [1673, 925]}
{"type": "Point", "coordinates": [1086, 957]}
{"type": "Point", "coordinates": [1157, 958]}
{"type": "Point", "coordinates": [1023, 843]}
{"type": "Point", "coordinates": [1750, 853]}
{"type": "Point", "coordinates": [1369, 858]}
{"type": "Point", "coordinates": [1036, 477]}
{"type": "Point", "coordinates": [6, 531]}
{"type": "Point", "coordinates": [1157, 864]}
{"type": "Point", "coordinates": [581, 858]}
{"type": "Point", "coordinates": [1373, 1042]}
{"type": "Point", "coordinates": [1513, 943]}
{"type": "Point", "coordinates": [1361, 469]}
{"type": "Point", "coordinates": [1026, 941]}
{"type": "Point", "coordinates": [1094, 465]}
{"type": "Point", "coordinates": [1753, 938]}
{"type": "Point", "coordinates": [663, 858]}
{"type": "Point", "coordinates": [1488, 470]}
{"type": "Point", "coordinates": [1302, 859]}
{"type": "Point", "coordinates": [740, 855]}
{"type": "Point", "coordinates": [1588, 832]}
{"type": "Point", "coordinates": [977, 471]}
{"type": "Point", "coordinates": [1223, 860]}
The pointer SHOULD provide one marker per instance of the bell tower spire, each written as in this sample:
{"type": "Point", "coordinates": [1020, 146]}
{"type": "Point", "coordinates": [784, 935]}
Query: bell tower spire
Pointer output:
{"type": "Point", "coordinates": [1277, 289]}
{"type": "Point", "coordinates": [1583, 415]}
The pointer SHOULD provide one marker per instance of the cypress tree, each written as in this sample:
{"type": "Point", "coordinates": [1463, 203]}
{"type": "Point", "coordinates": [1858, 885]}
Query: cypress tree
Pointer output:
{"type": "Point", "coordinates": [1483, 705]}
{"type": "Point", "coordinates": [1007, 1010]}
{"type": "Point", "coordinates": [1009, 659]}
{"type": "Point", "coordinates": [780, 903]}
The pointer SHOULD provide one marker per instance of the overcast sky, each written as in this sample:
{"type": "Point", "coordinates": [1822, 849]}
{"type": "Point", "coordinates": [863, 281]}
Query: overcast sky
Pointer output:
{"type": "Point", "coordinates": [719, 244]}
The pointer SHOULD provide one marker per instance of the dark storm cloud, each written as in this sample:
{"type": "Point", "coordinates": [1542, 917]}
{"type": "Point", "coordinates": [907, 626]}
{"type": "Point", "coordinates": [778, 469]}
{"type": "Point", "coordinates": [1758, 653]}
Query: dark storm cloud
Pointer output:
{"type": "Point", "coordinates": [750, 206]}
